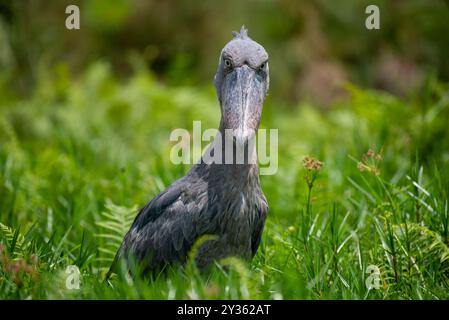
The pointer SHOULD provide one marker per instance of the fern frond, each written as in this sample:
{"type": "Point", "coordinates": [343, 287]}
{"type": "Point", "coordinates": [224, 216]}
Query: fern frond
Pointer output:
{"type": "Point", "coordinates": [115, 222]}
{"type": "Point", "coordinates": [13, 238]}
{"type": "Point", "coordinates": [426, 244]}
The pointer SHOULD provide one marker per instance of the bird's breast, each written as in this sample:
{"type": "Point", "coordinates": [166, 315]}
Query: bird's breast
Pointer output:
{"type": "Point", "coordinates": [236, 222]}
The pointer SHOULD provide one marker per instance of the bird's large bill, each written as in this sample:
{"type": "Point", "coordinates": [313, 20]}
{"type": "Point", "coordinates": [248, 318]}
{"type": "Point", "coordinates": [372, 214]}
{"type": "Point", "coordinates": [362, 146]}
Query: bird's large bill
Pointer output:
{"type": "Point", "coordinates": [243, 93]}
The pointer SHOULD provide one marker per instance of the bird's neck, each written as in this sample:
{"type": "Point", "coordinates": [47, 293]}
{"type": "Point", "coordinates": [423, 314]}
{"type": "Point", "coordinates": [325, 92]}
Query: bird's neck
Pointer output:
{"type": "Point", "coordinates": [233, 178]}
{"type": "Point", "coordinates": [231, 150]}
{"type": "Point", "coordinates": [229, 163]}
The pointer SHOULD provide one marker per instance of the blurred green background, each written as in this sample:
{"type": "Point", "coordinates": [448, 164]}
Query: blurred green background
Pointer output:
{"type": "Point", "coordinates": [313, 45]}
{"type": "Point", "coordinates": [86, 115]}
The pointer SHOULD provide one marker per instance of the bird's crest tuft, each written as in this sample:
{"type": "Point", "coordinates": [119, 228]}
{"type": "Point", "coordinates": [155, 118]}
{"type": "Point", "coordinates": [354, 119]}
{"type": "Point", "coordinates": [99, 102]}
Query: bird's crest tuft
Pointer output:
{"type": "Point", "coordinates": [243, 34]}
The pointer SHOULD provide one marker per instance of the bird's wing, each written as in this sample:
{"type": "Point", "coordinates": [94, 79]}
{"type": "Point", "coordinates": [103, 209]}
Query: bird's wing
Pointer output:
{"type": "Point", "coordinates": [166, 228]}
{"type": "Point", "coordinates": [262, 211]}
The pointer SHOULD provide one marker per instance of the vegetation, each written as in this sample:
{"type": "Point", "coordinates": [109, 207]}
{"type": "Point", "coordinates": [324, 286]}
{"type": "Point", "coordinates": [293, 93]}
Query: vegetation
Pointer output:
{"type": "Point", "coordinates": [363, 184]}
{"type": "Point", "coordinates": [358, 207]}
{"type": "Point", "coordinates": [312, 43]}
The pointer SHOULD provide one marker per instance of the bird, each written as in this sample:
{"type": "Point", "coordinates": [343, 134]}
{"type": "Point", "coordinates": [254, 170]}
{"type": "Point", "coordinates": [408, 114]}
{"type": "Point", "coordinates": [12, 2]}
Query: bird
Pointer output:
{"type": "Point", "coordinates": [222, 199]}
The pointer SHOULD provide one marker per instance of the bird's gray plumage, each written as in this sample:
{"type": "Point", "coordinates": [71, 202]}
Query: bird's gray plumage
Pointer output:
{"type": "Point", "coordinates": [224, 200]}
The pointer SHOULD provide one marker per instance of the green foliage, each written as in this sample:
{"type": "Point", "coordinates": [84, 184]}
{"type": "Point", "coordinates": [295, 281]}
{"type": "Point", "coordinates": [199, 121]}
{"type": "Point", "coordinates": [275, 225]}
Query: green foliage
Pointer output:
{"type": "Point", "coordinates": [81, 155]}
{"type": "Point", "coordinates": [312, 44]}
{"type": "Point", "coordinates": [12, 238]}
{"type": "Point", "coordinates": [115, 222]}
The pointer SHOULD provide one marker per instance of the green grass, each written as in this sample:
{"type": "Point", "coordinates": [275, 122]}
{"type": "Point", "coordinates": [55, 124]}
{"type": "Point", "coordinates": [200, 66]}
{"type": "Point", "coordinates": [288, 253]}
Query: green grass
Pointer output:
{"type": "Point", "coordinates": [79, 157]}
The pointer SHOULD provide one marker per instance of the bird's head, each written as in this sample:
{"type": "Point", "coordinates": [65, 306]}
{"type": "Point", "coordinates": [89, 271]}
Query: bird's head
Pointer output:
{"type": "Point", "coordinates": [242, 81]}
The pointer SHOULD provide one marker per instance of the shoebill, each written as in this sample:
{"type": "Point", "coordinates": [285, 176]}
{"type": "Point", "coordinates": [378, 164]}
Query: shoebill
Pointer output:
{"type": "Point", "coordinates": [219, 198]}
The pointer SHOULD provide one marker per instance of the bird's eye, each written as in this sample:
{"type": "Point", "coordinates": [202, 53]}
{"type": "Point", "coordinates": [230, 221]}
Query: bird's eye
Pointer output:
{"type": "Point", "coordinates": [227, 63]}
{"type": "Point", "coordinates": [263, 66]}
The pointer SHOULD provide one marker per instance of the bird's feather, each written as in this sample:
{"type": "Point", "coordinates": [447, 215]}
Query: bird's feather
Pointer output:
{"type": "Point", "coordinates": [262, 211]}
{"type": "Point", "coordinates": [163, 230]}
